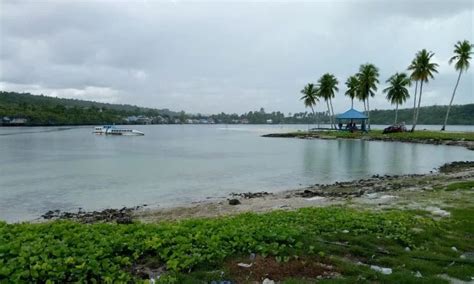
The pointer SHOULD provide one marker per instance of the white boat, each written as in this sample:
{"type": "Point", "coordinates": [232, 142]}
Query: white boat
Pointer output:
{"type": "Point", "coordinates": [112, 130]}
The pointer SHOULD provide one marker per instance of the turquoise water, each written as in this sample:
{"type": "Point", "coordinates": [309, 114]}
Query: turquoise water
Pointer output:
{"type": "Point", "coordinates": [44, 169]}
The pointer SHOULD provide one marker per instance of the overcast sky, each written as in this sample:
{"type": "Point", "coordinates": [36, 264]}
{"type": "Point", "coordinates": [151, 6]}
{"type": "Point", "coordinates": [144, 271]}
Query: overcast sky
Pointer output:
{"type": "Point", "coordinates": [209, 57]}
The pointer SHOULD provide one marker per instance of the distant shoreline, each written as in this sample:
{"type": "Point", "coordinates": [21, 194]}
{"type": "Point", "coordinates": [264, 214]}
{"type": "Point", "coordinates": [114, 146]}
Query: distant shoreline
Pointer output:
{"type": "Point", "coordinates": [462, 139]}
{"type": "Point", "coordinates": [267, 124]}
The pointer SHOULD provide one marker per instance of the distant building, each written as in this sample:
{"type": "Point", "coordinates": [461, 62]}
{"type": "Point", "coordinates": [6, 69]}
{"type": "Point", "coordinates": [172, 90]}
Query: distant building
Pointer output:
{"type": "Point", "coordinates": [269, 121]}
{"type": "Point", "coordinates": [141, 119]}
{"type": "Point", "coordinates": [15, 121]}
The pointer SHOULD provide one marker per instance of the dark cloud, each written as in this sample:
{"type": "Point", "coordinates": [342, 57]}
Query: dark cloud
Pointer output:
{"type": "Point", "coordinates": [222, 56]}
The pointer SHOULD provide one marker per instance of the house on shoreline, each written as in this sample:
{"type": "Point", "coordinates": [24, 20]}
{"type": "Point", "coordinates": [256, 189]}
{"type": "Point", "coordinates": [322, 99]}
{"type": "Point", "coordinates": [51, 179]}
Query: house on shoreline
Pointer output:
{"type": "Point", "coordinates": [13, 121]}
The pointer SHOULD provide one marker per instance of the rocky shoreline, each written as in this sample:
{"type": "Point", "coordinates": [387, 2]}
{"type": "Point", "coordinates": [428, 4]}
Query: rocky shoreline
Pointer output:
{"type": "Point", "coordinates": [308, 135]}
{"type": "Point", "coordinates": [378, 190]}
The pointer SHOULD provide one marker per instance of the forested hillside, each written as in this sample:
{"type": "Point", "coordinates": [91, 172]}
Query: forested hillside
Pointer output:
{"type": "Point", "coordinates": [43, 110]}
{"type": "Point", "coordinates": [459, 114]}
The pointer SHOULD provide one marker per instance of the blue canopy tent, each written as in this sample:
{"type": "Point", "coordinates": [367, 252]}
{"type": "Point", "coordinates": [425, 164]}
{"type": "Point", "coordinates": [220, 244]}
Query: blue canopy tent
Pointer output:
{"type": "Point", "coordinates": [350, 118]}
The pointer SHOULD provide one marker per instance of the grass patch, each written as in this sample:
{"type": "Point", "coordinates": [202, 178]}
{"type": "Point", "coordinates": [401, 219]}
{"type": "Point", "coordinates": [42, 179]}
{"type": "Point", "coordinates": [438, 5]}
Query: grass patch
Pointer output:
{"type": "Point", "coordinates": [377, 134]}
{"type": "Point", "coordinates": [465, 185]}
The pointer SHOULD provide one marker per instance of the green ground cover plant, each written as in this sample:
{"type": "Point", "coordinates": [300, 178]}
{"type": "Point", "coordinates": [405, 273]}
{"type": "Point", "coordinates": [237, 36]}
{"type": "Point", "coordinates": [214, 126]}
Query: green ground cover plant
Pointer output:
{"type": "Point", "coordinates": [193, 250]}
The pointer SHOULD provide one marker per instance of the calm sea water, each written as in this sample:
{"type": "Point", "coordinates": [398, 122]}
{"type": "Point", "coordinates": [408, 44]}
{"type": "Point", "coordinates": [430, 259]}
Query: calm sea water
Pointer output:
{"type": "Point", "coordinates": [44, 169]}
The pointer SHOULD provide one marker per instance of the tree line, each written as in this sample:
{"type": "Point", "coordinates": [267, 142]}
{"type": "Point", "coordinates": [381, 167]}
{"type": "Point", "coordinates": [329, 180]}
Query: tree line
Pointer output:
{"type": "Point", "coordinates": [363, 85]}
{"type": "Point", "coordinates": [54, 111]}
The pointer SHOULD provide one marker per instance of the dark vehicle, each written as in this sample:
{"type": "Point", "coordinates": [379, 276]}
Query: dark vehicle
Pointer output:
{"type": "Point", "coordinates": [394, 129]}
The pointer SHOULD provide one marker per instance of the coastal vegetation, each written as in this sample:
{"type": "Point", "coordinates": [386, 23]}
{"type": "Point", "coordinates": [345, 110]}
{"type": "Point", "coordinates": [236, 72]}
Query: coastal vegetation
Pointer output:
{"type": "Point", "coordinates": [339, 244]}
{"type": "Point", "coordinates": [327, 88]}
{"type": "Point", "coordinates": [427, 136]}
{"type": "Point", "coordinates": [397, 92]}
{"type": "Point", "coordinates": [363, 85]}
{"type": "Point", "coordinates": [422, 70]}
{"type": "Point", "coordinates": [368, 80]}
{"type": "Point", "coordinates": [462, 55]}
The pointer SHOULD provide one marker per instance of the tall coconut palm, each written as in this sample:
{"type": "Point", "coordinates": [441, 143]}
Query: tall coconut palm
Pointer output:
{"type": "Point", "coordinates": [462, 55]}
{"type": "Point", "coordinates": [397, 92]}
{"type": "Point", "coordinates": [352, 85]}
{"type": "Point", "coordinates": [368, 80]}
{"type": "Point", "coordinates": [413, 78]}
{"type": "Point", "coordinates": [327, 88]}
{"type": "Point", "coordinates": [310, 97]}
{"type": "Point", "coordinates": [422, 70]}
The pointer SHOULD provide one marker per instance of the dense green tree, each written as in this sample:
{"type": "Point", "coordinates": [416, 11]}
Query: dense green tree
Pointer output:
{"type": "Point", "coordinates": [327, 88]}
{"type": "Point", "coordinates": [368, 79]}
{"type": "Point", "coordinates": [422, 70]}
{"type": "Point", "coordinates": [462, 55]}
{"type": "Point", "coordinates": [352, 85]}
{"type": "Point", "coordinates": [397, 92]}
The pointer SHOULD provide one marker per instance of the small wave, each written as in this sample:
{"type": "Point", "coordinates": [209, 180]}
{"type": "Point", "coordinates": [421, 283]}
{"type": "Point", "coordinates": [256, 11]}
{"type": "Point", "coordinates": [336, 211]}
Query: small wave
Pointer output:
{"type": "Point", "coordinates": [40, 131]}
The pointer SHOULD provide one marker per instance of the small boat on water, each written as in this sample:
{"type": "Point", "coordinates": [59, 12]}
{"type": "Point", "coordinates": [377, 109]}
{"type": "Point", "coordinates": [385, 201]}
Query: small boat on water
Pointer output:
{"type": "Point", "coordinates": [112, 130]}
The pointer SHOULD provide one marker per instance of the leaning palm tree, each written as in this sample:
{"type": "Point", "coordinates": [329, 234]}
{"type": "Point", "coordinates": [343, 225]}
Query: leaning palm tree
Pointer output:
{"type": "Point", "coordinates": [397, 92]}
{"type": "Point", "coordinates": [327, 88]}
{"type": "Point", "coordinates": [422, 70]}
{"type": "Point", "coordinates": [414, 78]}
{"type": "Point", "coordinates": [368, 80]}
{"type": "Point", "coordinates": [462, 55]}
{"type": "Point", "coordinates": [310, 97]}
{"type": "Point", "coordinates": [352, 85]}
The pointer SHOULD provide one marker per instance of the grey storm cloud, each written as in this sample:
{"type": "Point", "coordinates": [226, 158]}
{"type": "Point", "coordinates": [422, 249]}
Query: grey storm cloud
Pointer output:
{"type": "Point", "coordinates": [226, 56]}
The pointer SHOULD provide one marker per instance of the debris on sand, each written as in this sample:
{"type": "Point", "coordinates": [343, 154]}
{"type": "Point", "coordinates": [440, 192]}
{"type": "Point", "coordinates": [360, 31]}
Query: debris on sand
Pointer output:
{"type": "Point", "coordinates": [438, 211]}
{"type": "Point", "coordinates": [383, 270]}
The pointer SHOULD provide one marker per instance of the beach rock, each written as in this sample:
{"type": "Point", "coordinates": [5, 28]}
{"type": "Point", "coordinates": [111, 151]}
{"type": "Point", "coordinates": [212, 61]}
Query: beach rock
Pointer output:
{"type": "Point", "coordinates": [234, 202]}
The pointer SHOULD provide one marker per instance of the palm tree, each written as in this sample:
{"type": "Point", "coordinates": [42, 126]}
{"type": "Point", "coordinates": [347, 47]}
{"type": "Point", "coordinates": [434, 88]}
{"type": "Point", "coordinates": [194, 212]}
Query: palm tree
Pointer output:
{"type": "Point", "coordinates": [310, 97]}
{"type": "Point", "coordinates": [422, 70]}
{"type": "Point", "coordinates": [462, 55]}
{"type": "Point", "coordinates": [397, 92]}
{"type": "Point", "coordinates": [368, 80]}
{"type": "Point", "coordinates": [413, 65]}
{"type": "Point", "coordinates": [352, 87]}
{"type": "Point", "coordinates": [327, 88]}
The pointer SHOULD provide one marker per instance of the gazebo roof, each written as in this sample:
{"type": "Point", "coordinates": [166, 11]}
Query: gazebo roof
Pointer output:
{"type": "Point", "coordinates": [351, 114]}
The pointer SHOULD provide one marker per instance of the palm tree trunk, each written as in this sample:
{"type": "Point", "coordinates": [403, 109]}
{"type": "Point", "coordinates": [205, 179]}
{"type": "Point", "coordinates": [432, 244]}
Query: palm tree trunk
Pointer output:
{"type": "Point", "coordinates": [414, 102]}
{"type": "Point", "coordinates": [396, 114]}
{"type": "Point", "coordinates": [368, 114]}
{"type": "Point", "coordinates": [314, 115]}
{"type": "Point", "coordinates": [451, 102]}
{"type": "Point", "coordinates": [332, 110]}
{"type": "Point", "coordinates": [365, 108]}
{"type": "Point", "coordinates": [352, 103]}
{"type": "Point", "coordinates": [418, 108]}
{"type": "Point", "coordinates": [329, 112]}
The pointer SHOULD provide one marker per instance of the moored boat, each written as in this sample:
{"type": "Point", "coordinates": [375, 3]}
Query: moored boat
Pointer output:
{"type": "Point", "coordinates": [112, 130]}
